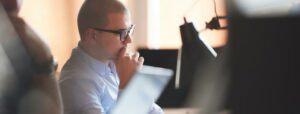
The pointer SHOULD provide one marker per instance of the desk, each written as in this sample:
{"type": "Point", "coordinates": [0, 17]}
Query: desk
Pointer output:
{"type": "Point", "coordinates": [189, 111]}
{"type": "Point", "coordinates": [180, 111]}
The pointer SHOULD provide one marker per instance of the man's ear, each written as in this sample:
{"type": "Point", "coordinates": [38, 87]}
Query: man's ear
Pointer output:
{"type": "Point", "coordinates": [90, 35]}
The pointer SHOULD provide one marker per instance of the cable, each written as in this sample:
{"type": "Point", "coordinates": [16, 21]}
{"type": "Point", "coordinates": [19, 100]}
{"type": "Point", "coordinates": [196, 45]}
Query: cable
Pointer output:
{"type": "Point", "coordinates": [202, 30]}
{"type": "Point", "coordinates": [215, 7]}
{"type": "Point", "coordinates": [214, 23]}
{"type": "Point", "coordinates": [193, 5]}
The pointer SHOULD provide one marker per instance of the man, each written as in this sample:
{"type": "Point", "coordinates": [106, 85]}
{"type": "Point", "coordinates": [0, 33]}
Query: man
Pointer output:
{"type": "Point", "coordinates": [99, 66]}
{"type": "Point", "coordinates": [32, 88]}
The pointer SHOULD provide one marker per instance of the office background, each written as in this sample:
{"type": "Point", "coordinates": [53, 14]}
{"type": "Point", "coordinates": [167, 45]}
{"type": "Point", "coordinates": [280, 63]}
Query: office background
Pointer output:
{"type": "Point", "coordinates": [157, 22]}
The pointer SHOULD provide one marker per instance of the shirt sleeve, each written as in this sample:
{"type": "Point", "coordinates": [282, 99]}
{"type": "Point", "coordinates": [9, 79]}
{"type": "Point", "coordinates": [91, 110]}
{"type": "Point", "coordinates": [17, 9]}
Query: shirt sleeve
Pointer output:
{"type": "Point", "coordinates": [155, 109]}
{"type": "Point", "coordinates": [80, 96]}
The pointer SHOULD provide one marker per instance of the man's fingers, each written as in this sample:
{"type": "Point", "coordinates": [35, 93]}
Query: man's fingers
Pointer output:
{"type": "Point", "coordinates": [123, 52]}
{"type": "Point", "coordinates": [141, 60]}
{"type": "Point", "coordinates": [136, 56]}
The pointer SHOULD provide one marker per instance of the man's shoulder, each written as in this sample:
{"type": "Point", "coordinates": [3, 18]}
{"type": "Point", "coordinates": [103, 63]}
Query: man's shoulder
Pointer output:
{"type": "Point", "coordinates": [75, 79]}
{"type": "Point", "coordinates": [78, 70]}
{"type": "Point", "coordinates": [75, 67]}
{"type": "Point", "coordinates": [79, 73]}
{"type": "Point", "coordinates": [75, 70]}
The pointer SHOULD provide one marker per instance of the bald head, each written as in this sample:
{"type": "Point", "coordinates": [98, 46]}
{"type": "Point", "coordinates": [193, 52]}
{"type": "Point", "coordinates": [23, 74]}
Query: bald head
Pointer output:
{"type": "Point", "coordinates": [93, 13]}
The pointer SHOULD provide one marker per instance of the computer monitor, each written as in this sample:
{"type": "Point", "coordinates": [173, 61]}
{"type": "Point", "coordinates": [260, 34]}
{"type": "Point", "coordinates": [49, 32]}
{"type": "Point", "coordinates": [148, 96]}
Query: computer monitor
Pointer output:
{"type": "Point", "coordinates": [195, 52]}
{"type": "Point", "coordinates": [194, 55]}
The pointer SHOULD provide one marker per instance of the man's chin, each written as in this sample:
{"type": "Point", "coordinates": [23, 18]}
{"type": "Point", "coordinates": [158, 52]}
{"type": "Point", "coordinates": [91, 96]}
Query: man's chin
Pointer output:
{"type": "Point", "coordinates": [113, 58]}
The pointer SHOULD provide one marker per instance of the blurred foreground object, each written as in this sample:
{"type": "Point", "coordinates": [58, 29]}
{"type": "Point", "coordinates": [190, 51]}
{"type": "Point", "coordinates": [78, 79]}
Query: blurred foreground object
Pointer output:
{"type": "Point", "coordinates": [27, 81]}
{"type": "Point", "coordinates": [258, 71]}
{"type": "Point", "coordinates": [264, 57]}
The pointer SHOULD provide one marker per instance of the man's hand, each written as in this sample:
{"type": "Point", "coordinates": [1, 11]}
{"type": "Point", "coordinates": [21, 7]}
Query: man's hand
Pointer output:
{"type": "Point", "coordinates": [127, 65]}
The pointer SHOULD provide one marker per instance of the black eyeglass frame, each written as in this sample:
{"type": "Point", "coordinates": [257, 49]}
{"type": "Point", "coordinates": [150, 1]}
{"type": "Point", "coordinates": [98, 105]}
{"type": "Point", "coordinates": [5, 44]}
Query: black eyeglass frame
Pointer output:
{"type": "Point", "coordinates": [122, 32]}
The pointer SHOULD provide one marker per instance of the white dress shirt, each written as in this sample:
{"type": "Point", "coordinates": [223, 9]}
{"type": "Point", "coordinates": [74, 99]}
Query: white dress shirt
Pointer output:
{"type": "Point", "coordinates": [89, 86]}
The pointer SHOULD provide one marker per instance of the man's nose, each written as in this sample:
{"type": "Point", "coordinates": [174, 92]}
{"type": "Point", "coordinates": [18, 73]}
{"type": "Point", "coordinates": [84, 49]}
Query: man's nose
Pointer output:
{"type": "Point", "coordinates": [128, 39]}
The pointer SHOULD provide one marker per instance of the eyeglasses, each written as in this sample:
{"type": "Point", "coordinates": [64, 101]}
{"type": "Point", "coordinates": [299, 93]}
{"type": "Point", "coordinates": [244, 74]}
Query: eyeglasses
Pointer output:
{"type": "Point", "coordinates": [124, 33]}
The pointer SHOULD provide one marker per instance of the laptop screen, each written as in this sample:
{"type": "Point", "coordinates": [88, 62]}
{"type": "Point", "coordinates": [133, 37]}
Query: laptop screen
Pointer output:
{"type": "Point", "coordinates": [143, 90]}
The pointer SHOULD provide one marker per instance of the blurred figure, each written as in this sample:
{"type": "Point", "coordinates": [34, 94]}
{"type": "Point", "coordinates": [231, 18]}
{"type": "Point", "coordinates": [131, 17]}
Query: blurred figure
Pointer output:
{"type": "Point", "coordinates": [34, 91]}
{"type": "Point", "coordinates": [100, 66]}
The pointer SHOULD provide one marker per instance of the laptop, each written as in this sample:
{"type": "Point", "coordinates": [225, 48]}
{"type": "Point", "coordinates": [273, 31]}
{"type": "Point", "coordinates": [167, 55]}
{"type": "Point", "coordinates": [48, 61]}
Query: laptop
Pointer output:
{"type": "Point", "coordinates": [142, 91]}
